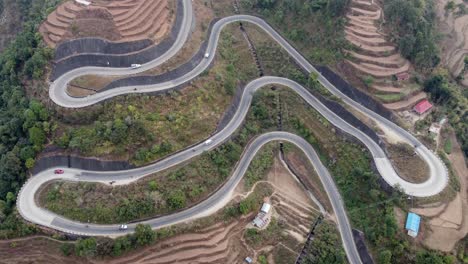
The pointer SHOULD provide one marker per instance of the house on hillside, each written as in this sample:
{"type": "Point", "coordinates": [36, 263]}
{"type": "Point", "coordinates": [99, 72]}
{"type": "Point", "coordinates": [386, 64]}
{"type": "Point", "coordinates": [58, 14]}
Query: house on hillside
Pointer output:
{"type": "Point", "coordinates": [83, 2]}
{"type": "Point", "coordinates": [422, 107]}
{"type": "Point", "coordinates": [412, 224]}
{"type": "Point", "coordinates": [402, 76]}
{"type": "Point", "coordinates": [262, 217]}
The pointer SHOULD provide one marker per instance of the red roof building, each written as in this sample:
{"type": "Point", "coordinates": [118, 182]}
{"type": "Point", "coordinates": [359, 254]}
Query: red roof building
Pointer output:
{"type": "Point", "coordinates": [422, 107]}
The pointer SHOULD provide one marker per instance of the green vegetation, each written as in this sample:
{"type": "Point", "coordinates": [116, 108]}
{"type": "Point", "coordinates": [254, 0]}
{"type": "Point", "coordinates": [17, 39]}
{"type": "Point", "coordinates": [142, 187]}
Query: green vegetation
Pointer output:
{"type": "Point", "coordinates": [325, 247]}
{"type": "Point", "coordinates": [142, 129]}
{"type": "Point", "coordinates": [454, 104]}
{"type": "Point", "coordinates": [260, 238]}
{"type": "Point", "coordinates": [448, 146]}
{"type": "Point", "coordinates": [315, 27]}
{"type": "Point", "coordinates": [412, 25]}
{"type": "Point", "coordinates": [390, 97]}
{"type": "Point", "coordinates": [101, 246]}
{"type": "Point", "coordinates": [24, 124]}
{"type": "Point", "coordinates": [159, 194]}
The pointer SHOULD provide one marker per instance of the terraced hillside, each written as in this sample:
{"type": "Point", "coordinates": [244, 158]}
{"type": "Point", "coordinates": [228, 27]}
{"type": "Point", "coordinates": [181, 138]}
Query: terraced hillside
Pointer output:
{"type": "Point", "coordinates": [118, 20]}
{"type": "Point", "coordinates": [453, 24]}
{"type": "Point", "coordinates": [375, 58]}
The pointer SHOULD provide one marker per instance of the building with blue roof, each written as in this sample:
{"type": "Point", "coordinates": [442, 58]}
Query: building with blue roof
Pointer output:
{"type": "Point", "coordinates": [412, 224]}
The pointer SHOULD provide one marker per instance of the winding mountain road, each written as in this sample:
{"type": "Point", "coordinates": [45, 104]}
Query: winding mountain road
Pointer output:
{"type": "Point", "coordinates": [29, 209]}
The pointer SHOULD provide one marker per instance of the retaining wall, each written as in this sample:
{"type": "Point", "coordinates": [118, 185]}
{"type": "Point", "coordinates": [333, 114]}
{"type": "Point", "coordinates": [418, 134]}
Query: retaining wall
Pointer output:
{"type": "Point", "coordinates": [119, 60]}
{"type": "Point", "coordinates": [354, 93]}
{"type": "Point", "coordinates": [79, 46]}
{"type": "Point", "coordinates": [69, 161]}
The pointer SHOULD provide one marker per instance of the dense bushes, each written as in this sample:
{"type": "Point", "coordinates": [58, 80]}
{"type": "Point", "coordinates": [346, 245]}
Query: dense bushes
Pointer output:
{"type": "Point", "coordinates": [24, 124]}
{"type": "Point", "coordinates": [412, 23]}
{"type": "Point", "coordinates": [316, 27]}
{"type": "Point", "coordinates": [454, 105]}
{"type": "Point", "coordinates": [325, 247]}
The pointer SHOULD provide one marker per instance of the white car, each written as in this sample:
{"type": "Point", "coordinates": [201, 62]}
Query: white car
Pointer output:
{"type": "Point", "coordinates": [208, 142]}
{"type": "Point", "coordinates": [123, 227]}
{"type": "Point", "coordinates": [207, 55]}
{"type": "Point", "coordinates": [135, 66]}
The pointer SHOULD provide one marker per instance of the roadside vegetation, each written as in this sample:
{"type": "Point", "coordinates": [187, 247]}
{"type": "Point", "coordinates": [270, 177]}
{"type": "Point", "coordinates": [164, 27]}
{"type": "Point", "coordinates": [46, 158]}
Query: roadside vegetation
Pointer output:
{"type": "Point", "coordinates": [162, 193]}
{"type": "Point", "coordinates": [24, 124]}
{"type": "Point", "coordinates": [104, 247]}
{"type": "Point", "coordinates": [454, 104]}
{"type": "Point", "coordinates": [142, 128]}
{"type": "Point", "coordinates": [412, 24]}
{"type": "Point", "coordinates": [315, 27]}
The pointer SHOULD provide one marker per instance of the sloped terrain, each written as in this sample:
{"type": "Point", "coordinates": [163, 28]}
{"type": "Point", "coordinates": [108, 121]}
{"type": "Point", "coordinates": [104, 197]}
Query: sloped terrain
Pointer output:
{"type": "Point", "coordinates": [119, 20]}
{"type": "Point", "coordinates": [376, 58]}
{"type": "Point", "coordinates": [454, 46]}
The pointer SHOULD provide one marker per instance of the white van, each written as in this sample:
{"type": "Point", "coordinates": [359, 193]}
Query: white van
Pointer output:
{"type": "Point", "coordinates": [207, 142]}
{"type": "Point", "coordinates": [135, 66]}
{"type": "Point", "coordinates": [207, 55]}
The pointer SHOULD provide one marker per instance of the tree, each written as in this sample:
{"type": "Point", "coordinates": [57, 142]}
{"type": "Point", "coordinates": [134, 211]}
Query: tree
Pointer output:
{"type": "Point", "coordinates": [121, 244]}
{"type": "Point", "coordinates": [176, 199]}
{"type": "Point", "coordinates": [30, 163]}
{"type": "Point", "coordinates": [86, 247]}
{"type": "Point", "coordinates": [144, 234]}
{"type": "Point", "coordinates": [385, 256]}
{"type": "Point", "coordinates": [37, 137]}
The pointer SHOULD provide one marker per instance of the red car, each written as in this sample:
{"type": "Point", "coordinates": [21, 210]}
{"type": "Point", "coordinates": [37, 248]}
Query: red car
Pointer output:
{"type": "Point", "coordinates": [58, 171]}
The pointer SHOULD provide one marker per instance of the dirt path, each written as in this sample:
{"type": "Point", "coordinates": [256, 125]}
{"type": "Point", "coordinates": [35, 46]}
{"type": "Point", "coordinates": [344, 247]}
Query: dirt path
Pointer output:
{"type": "Point", "coordinates": [451, 224]}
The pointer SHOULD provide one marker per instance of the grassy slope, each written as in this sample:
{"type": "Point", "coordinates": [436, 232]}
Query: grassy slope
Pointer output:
{"type": "Point", "coordinates": [154, 126]}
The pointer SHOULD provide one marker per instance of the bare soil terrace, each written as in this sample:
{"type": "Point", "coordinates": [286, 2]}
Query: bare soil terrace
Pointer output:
{"type": "Point", "coordinates": [121, 20]}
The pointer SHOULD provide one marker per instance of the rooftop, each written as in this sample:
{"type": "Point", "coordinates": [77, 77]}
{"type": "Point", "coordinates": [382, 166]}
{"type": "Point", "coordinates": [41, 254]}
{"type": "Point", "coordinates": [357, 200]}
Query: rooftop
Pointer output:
{"type": "Point", "coordinates": [422, 106]}
{"type": "Point", "coordinates": [412, 223]}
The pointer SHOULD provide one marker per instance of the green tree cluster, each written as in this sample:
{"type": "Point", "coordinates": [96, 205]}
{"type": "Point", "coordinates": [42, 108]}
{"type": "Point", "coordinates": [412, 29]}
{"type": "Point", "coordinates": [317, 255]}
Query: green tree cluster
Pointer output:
{"type": "Point", "coordinates": [412, 23]}
{"type": "Point", "coordinates": [454, 105]}
{"type": "Point", "coordinates": [24, 124]}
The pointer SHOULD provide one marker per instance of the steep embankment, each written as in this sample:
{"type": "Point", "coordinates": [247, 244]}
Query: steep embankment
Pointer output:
{"type": "Point", "coordinates": [120, 20]}
{"type": "Point", "coordinates": [374, 56]}
{"type": "Point", "coordinates": [453, 25]}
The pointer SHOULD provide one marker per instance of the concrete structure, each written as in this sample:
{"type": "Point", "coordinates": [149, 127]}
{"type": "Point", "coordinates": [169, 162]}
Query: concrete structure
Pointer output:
{"type": "Point", "coordinates": [83, 2]}
{"type": "Point", "coordinates": [260, 220]}
{"type": "Point", "coordinates": [265, 208]}
{"type": "Point", "coordinates": [412, 224]}
{"type": "Point", "coordinates": [422, 107]}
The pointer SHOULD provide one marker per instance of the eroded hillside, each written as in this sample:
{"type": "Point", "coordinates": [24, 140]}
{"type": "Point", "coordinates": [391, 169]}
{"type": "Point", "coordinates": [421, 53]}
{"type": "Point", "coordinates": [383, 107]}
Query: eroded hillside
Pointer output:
{"type": "Point", "coordinates": [121, 20]}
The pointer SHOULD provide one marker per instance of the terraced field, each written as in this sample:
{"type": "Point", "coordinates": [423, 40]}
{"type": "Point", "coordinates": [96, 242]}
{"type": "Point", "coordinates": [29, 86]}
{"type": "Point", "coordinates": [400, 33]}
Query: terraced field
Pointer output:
{"type": "Point", "coordinates": [119, 20]}
{"type": "Point", "coordinates": [454, 27]}
{"type": "Point", "coordinates": [376, 58]}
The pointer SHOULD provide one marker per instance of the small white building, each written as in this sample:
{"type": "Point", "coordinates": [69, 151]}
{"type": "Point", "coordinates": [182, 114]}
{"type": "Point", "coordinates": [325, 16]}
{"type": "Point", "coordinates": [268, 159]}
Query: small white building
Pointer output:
{"type": "Point", "coordinates": [83, 2]}
{"type": "Point", "coordinates": [266, 208]}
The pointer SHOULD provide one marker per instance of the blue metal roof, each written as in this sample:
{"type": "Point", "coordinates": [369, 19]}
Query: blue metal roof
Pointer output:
{"type": "Point", "coordinates": [412, 222]}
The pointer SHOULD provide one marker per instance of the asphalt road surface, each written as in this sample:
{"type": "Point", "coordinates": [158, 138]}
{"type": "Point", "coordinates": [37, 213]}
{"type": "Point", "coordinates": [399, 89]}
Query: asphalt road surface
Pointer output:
{"type": "Point", "coordinates": [29, 209]}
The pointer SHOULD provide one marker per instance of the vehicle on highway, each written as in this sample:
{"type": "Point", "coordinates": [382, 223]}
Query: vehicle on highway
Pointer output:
{"type": "Point", "coordinates": [208, 142]}
{"type": "Point", "coordinates": [123, 227]}
{"type": "Point", "coordinates": [207, 55]}
{"type": "Point", "coordinates": [59, 171]}
{"type": "Point", "coordinates": [135, 66]}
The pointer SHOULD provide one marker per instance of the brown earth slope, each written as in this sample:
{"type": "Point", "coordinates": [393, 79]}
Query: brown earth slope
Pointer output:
{"type": "Point", "coordinates": [119, 20]}
{"type": "Point", "coordinates": [374, 56]}
{"type": "Point", "coordinates": [453, 25]}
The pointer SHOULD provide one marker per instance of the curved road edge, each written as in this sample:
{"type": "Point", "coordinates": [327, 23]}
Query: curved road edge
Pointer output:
{"type": "Point", "coordinates": [216, 201]}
